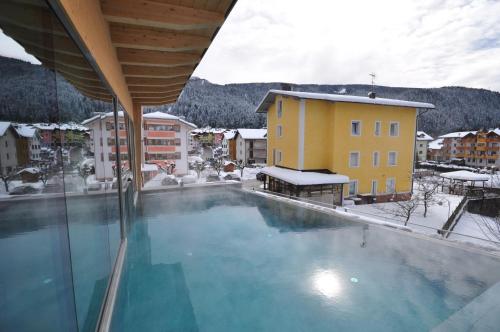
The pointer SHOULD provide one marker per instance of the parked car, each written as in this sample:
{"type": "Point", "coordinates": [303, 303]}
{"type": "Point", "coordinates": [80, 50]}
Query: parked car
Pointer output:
{"type": "Point", "coordinates": [169, 181]}
{"type": "Point", "coordinates": [233, 177]}
{"type": "Point", "coordinates": [23, 190]}
{"type": "Point", "coordinates": [213, 178]}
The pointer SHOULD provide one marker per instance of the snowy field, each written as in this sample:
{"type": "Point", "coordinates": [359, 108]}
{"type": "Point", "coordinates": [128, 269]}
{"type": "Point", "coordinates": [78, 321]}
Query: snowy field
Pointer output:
{"type": "Point", "coordinates": [436, 215]}
{"type": "Point", "coordinates": [479, 229]}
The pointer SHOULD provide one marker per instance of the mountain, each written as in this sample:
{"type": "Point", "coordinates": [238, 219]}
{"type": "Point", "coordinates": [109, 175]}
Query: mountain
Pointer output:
{"type": "Point", "coordinates": [28, 94]}
{"type": "Point", "coordinates": [33, 93]}
{"type": "Point", "coordinates": [233, 105]}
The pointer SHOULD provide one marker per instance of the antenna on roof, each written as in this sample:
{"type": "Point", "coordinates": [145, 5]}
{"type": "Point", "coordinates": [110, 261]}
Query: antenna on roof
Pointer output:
{"type": "Point", "coordinates": [372, 94]}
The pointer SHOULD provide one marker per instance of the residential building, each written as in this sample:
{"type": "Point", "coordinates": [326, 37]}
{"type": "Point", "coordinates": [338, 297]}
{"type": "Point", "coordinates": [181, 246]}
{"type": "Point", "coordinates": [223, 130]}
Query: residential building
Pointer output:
{"type": "Point", "coordinates": [435, 150]}
{"type": "Point", "coordinates": [370, 140]}
{"type": "Point", "coordinates": [422, 145]}
{"type": "Point", "coordinates": [229, 145]}
{"type": "Point", "coordinates": [166, 139]}
{"type": "Point", "coordinates": [452, 144]}
{"type": "Point", "coordinates": [481, 149]}
{"type": "Point", "coordinates": [251, 146]}
{"type": "Point", "coordinates": [33, 141]}
{"type": "Point", "coordinates": [8, 148]}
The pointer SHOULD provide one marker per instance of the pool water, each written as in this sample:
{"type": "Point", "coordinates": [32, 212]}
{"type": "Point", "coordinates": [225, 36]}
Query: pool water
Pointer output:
{"type": "Point", "coordinates": [225, 260]}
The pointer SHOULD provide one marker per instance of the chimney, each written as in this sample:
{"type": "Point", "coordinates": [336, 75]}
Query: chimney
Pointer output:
{"type": "Point", "coordinates": [371, 95]}
{"type": "Point", "coordinates": [286, 87]}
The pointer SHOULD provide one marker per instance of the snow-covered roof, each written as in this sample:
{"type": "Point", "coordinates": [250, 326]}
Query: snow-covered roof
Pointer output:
{"type": "Point", "coordinates": [496, 131]}
{"type": "Point", "coordinates": [209, 130]}
{"type": "Point", "coordinates": [62, 126]}
{"type": "Point", "coordinates": [423, 136]}
{"type": "Point", "coordinates": [32, 170]}
{"type": "Point", "coordinates": [45, 126]}
{"type": "Point", "coordinates": [436, 144]}
{"type": "Point", "coordinates": [166, 116]}
{"type": "Point", "coordinates": [25, 130]}
{"type": "Point", "coordinates": [457, 134]}
{"type": "Point", "coordinates": [229, 134]}
{"type": "Point", "coordinates": [303, 178]}
{"type": "Point", "coordinates": [465, 176]}
{"type": "Point", "coordinates": [252, 133]}
{"type": "Point", "coordinates": [3, 127]}
{"type": "Point", "coordinates": [271, 94]}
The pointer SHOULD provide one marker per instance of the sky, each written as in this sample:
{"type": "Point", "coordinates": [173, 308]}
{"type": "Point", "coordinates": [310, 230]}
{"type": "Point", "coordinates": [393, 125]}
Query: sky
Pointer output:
{"type": "Point", "coordinates": [424, 43]}
{"type": "Point", "coordinates": [413, 43]}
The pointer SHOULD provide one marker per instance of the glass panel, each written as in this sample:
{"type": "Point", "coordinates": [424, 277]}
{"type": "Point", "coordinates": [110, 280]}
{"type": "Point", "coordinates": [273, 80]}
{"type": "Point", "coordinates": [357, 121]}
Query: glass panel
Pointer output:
{"type": "Point", "coordinates": [59, 204]}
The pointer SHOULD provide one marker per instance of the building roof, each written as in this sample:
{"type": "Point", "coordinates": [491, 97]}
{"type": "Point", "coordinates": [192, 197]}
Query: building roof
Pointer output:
{"type": "Point", "coordinates": [252, 133]}
{"type": "Point", "coordinates": [230, 134]}
{"type": "Point", "coordinates": [3, 127]}
{"type": "Point", "coordinates": [25, 130]}
{"type": "Point", "coordinates": [436, 144]}
{"type": "Point", "coordinates": [457, 134]}
{"type": "Point", "coordinates": [423, 136]}
{"type": "Point", "coordinates": [300, 178]}
{"type": "Point", "coordinates": [167, 116]}
{"type": "Point", "coordinates": [465, 176]}
{"type": "Point", "coordinates": [271, 94]}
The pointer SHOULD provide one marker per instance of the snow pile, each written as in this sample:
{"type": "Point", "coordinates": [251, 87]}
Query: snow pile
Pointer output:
{"type": "Point", "coordinates": [465, 176]}
{"type": "Point", "coordinates": [303, 178]}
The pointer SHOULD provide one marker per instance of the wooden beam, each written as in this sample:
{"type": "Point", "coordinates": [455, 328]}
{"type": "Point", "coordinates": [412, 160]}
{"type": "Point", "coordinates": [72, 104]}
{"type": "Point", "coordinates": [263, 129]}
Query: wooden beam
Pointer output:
{"type": "Point", "coordinates": [152, 39]}
{"type": "Point", "coordinates": [148, 81]}
{"type": "Point", "coordinates": [159, 14]}
{"type": "Point", "coordinates": [159, 89]}
{"type": "Point", "coordinates": [35, 18]}
{"type": "Point", "coordinates": [143, 101]}
{"type": "Point", "coordinates": [131, 56]}
{"type": "Point", "coordinates": [172, 94]}
{"type": "Point", "coordinates": [162, 72]}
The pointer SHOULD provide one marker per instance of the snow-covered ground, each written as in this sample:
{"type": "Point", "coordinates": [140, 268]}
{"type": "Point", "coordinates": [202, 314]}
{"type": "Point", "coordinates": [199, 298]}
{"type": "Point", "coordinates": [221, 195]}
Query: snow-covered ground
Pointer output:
{"type": "Point", "coordinates": [436, 214]}
{"type": "Point", "coordinates": [479, 229]}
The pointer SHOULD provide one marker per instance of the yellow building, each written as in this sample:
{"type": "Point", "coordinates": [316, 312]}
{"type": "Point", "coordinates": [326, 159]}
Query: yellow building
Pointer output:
{"type": "Point", "coordinates": [371, 140]}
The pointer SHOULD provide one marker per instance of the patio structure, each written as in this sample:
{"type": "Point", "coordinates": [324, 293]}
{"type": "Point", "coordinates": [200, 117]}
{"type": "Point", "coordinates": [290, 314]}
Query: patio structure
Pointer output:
{"type": "Point", "coordinates": [282, 180]}
{"type": "Point", "coordinates": [463, 182]}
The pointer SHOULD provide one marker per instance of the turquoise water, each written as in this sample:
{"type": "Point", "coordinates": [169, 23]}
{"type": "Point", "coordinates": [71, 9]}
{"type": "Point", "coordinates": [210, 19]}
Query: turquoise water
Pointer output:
{"type": "Point", "coordinates": [230, 261]}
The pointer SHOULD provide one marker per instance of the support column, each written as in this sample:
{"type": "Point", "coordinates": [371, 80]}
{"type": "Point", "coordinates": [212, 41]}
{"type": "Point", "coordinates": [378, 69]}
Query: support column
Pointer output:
{"type": "Point", "coordinates": [138, 146]}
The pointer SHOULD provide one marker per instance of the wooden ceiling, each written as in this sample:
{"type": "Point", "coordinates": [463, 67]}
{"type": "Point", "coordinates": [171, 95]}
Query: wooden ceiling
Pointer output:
{"type": "Point", "coordinates": [159, 43]}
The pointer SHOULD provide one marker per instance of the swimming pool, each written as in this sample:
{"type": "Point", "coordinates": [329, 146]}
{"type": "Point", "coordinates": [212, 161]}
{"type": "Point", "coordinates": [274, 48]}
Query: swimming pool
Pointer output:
{"type": "Point", "coordinates": [226, 260]}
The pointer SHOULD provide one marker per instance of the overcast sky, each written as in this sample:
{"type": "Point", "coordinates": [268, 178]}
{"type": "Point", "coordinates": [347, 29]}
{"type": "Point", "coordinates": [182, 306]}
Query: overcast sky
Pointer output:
{"type": "Point", "coordinates": [420, 43]}
{"type": "Point", "coordinates": [417, 43]}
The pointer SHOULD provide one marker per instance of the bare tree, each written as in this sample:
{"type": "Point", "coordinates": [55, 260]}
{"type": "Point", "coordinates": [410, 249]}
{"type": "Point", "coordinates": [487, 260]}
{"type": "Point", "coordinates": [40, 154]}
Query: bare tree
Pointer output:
{"type": "Point", "coordinates": [84, 171]}
{"type": "Point", "coordinates": [218, 165]}
{"type": "Point", "coordinates": [427, 190]}
{"type": "Point", "coordinates": [199, 166]}
{"type": "Point", "coordinates": [489, 226]}
{"type": "Point", "coordinates": [6, 178]}
{"type": "Point", "coordinates": [240, 164]}
{"type": "Point", "coordinates": [405, 209]}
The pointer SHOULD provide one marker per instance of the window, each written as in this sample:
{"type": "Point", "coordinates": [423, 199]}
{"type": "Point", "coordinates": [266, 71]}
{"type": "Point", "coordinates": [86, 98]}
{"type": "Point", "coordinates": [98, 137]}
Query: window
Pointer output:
{"type": "Point", "coordinates": [354, 159]}
{"type": "Point", "coordinates": [376, 159]}
{"type": "Point", "coordinates": [394, 129]}
{"type": "Point", "coordinates": [393, 156]}
{"type": "Point", "coordinates": [356, 128]}
{"type": "Point", "coordinates": [378, 125]}
{"type": "Point", "coordinates": [353, 187]}
{"type": "Point", "coordinates": [7, 156]}
{"type": "Point", "coordinates": [374, 187]}
{"type": "Point", "coordinates": [279, 156]}
{"type": "Point", "coordinates": [390, 185]}
{"type": "Point", "coordinates": [280, 109]}
{"type": "Point", "coordinates": [279, 131]}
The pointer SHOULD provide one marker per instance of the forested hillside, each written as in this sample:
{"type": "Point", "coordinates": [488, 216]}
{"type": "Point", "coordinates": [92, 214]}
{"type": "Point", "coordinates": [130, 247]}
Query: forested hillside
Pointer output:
{"type": "Point", "coordinates": [28, 94]}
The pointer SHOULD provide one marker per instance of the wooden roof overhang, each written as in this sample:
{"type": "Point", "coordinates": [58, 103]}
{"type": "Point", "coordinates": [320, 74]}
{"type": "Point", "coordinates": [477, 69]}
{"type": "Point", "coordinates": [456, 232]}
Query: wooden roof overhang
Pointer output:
{"type": "Point", "coordinates": [159, 43]}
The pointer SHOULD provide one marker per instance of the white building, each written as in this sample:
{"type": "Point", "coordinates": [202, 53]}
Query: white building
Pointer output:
{"type": "Point", "coordinates": [228, 136]}
{"type": "Point", "coordinates": [166, 141]}
{"type": "Point", "coordinates": [251, 145]}
{"type": "Point", "coordinates": [422, 145]}
{"type": "Point", "coordinates": [8, 150]}
{"type": "Point", "coordinates": [32, 135]}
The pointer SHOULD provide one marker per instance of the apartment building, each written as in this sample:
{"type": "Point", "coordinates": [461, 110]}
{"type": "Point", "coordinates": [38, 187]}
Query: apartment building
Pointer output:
{"type": "Point", "coordinates": [422, 145]}
{"type": "Point", "coordinates": [251, 146]}
{"type": "Point", "coordinates": [166, 140]}
{"type": "Point", "coordinates": [369, 139]}
{"type": "Point", "coordinates": [31, 136]}
{"type": "Point", "coordinates": [481, 149]}
{"type": "Point", "coordinates": [229, 145]}
{"type": "Point", "coordinates": [8, 151]}
{"type": "Point", "coordinates": [452, 144]}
